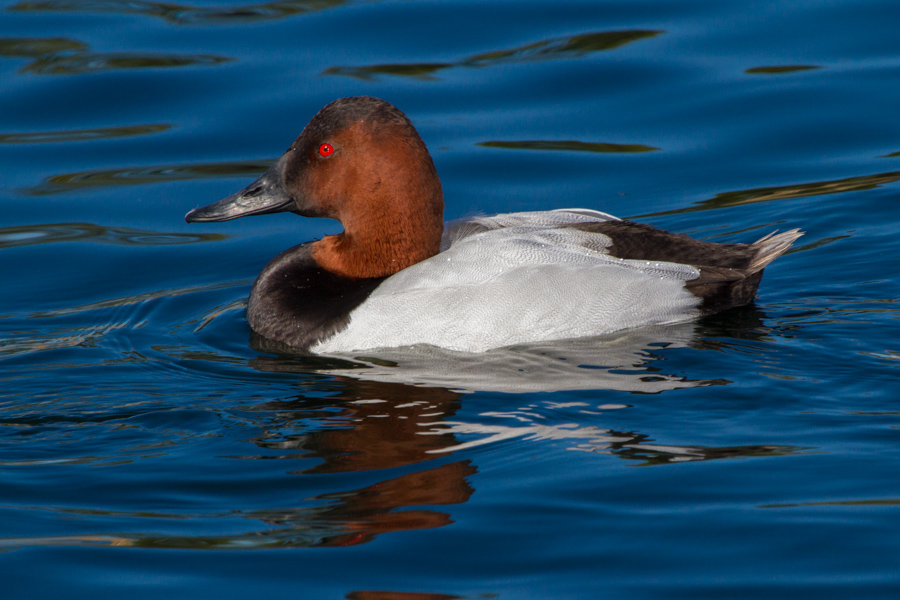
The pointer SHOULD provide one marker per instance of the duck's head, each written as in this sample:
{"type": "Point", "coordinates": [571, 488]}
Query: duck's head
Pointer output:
{"type": "Point", "coordinates": [359, 161]}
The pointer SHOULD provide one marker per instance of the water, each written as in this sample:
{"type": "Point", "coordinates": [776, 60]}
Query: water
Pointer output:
{"type": "Point", "coordinates": [151, 447]}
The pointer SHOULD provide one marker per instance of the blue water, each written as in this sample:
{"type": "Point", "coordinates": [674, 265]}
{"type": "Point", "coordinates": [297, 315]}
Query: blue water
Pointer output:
{"type": "Point", "coordinates": [151, 448]}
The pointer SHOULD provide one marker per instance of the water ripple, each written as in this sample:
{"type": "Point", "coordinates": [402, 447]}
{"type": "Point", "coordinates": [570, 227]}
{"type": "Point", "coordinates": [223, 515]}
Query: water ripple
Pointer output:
{"type": "Point", "coordinates": [137, 299]}
{"type": "Point", "coordinates": [569, 146]}
{"type": "Point", "coordinates": [17, 344]}
{"type": "Point", "coordinates": [26, 235]}
{"type": "Point", "coordinates": [569, 47]}
{"type": "Point", "coordinates": [780, 69]}
{"type": "Point", "coordinates": [62, 56]}
{"type": "Point", "coordinates": [85, 180]}
{"type": "Point", "coordinates": [625, 445]}
{"type": "Point", "coordinates": [182, 14]}
{"type": "Point", "coordinates": [786, 192]}
{"type": "Point", "coordinates": [82, 135]}
{"type": "Point", "coordinates": [345, 518]}
{"type": "Point", "coordinates": [39, 47]}
{"type": "Point", "coordinates": [92, 62]}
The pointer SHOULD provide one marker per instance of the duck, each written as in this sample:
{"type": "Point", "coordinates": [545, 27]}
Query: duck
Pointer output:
{"type": "Point", "coordinates": [397, 276]}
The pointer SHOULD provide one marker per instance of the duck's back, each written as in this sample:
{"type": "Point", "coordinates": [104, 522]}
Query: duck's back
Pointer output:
{"type": "Point", "coordinates": [526, 277]}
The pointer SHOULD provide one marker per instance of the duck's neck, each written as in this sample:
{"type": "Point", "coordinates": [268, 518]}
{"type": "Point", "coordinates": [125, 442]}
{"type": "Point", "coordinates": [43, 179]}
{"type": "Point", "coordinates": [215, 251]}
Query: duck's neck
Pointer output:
{"type": "Point", "coordinates": [381, 245]}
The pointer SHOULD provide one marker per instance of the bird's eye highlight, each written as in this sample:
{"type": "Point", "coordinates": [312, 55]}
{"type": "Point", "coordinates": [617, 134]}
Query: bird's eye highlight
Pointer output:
{"type": "Point", "coordinates": [326, 150]}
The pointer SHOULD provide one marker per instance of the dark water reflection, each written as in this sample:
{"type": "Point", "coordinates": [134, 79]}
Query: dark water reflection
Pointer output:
{"type": "Point", "coordinates": [183, 14]}
{"type": "Point", "coordinates": [61, 56]}
{"type": "Point", "coordinates": [786, 192]}
{"type": "Point", "coordinates": [553, 49]}
{"type": "Point", "coordinates": [84, 180]}
{"type": "Point", "coordinates": [82, 135]}
{"type": "Point", "coordinates": [39, 47]}
{"type": "Point", "coordinates": [27, 235]}
{"type": "Point", "coordinates": [780, 69]}
{"type": "Point", "coordinates": [569, 146]}
{"type": "Point", "coordinates": [92, 62]}
{"type": "Point", "coordinates": [393, 595]}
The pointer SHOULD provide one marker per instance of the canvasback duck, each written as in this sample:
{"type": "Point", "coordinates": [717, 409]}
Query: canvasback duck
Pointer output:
{"type": "Point", "coordinates": [396, 276]}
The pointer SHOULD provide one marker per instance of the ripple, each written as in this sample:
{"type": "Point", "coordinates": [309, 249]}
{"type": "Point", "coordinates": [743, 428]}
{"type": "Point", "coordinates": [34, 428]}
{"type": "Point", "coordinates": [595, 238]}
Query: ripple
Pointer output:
{"type": "Point", "coordinates": [780, 69]}
{"type": "Point", "coordinates": [819, 310]}
{"type": "Point", "coordinates": [84, 180]}
{"type": "Point", "coordinates": [16, 344]}
{"type": "Point", "coordinates": [886, 355]}
{"type": "Point", "coordinates": [575, 46]}
{"type": "Point", "coordinates": [872, 502]}
{"type": "Point", "coordinates": [786, 192]}
{"type": "Point", "coordinates": [137, 299]}
{"type": "Point", "coordinates": [588, 438]}
{"type": "Point", "coordinates": [344, 518]}
{"type": "Point", "coordinates": [566, 47]}
{"type": "Point", "coordinates": [39, 47]}
{"type": "Point", "coordinates": [30, 338]}
{"type": "Point", "coordinates": [62, 56]}
{"type": "Point", "coordinates": [183, 14]}
{"type": "Point", "coordinates": [82, 135]}
{"type": "Point", "coordinates": [26, 235]}
{"type": "Point", "coordinates": [399, 595]}
{"type": "Point", "coordinates": [569, 146]}
{"type": "Point", "coordinates": [421, 71]}
{"type": "Point", "coordinates": [91, 62]}
{"type": "Point", "coordinates": [216, 312]}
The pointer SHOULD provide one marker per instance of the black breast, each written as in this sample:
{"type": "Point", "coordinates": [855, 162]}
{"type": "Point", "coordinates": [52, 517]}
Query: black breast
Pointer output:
{"type": "Point", "coordinates": [296, 302]}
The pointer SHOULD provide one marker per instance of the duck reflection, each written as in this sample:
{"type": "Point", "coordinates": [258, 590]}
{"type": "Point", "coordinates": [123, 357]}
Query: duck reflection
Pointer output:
{"type": "Point", "coordinates": [365, 425]}
{"type": "Point", "coordinates": [358, 516]}
{"type": "Point", "coordinates": [374, 510]}
{"type": "Point", "coordinates": [624, 361]}
{"type": "Point", "coordinates": [388, 450]}
{"type": "Point", "coordinates": [386, 413]}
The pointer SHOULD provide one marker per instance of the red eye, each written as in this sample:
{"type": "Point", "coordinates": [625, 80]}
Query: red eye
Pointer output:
{"type": "Point", "coordinates": [326, 150]}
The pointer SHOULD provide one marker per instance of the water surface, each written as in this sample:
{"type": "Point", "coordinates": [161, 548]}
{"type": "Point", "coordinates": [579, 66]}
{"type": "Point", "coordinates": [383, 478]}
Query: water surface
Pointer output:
{"type": "Point", "coordinates": [151, 446]}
